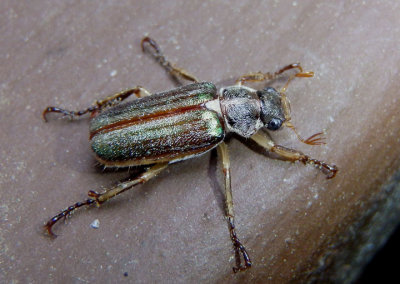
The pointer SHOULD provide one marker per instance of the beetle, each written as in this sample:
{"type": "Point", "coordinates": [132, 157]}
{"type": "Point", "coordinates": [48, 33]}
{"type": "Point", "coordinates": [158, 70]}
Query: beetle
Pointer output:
{"type": "Point", "coordinates": [157, 130]}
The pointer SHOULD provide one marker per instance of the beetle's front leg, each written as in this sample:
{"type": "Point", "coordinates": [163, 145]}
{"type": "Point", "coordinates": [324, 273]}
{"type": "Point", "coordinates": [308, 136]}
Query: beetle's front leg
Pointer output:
{"type": "Point", "coordinates": [293, 155]}
{"type": "Point", "coordinates": [239, 248]}
{"type": "Point", "coordinates": [260, 76]}
{"type": "Point", "coordinates": [99, 105]}
{"type": "Point", "coordinates": [100, 198]}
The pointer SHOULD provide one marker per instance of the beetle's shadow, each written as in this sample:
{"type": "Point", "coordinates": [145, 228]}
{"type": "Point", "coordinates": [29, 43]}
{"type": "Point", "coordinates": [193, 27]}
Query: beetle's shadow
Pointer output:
{"type": "Point", "coordinates": [213, 168]}
{"type": "Point", "coordinates": [130, 171]}
{"type": "Point", "coordinates": [213, 178]}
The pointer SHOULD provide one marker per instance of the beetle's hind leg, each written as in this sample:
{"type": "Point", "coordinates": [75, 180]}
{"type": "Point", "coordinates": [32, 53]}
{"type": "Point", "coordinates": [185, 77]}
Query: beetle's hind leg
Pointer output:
{"type": "Point", "coordinates": [294, 155]}
{"type": "Point", "coordinates": [259, 76]}
{"type": "Point", "coordinates": [240, 250]}
{"type": "Point", "coordinates": [99, 105]}
{"type": "Point", "coordinates": [99, 198]}
{"type": "Point", "coordinates": [156, 52]}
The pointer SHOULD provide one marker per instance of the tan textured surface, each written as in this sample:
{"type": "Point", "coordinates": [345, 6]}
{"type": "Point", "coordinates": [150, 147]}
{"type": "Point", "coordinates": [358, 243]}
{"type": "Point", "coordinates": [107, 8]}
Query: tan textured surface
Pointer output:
{"type": "Point", "coordinates": [70, 53]}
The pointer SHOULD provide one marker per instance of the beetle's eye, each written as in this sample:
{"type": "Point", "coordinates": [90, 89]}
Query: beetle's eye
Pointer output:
{"type": "Point", "coordinates": [274, 124]}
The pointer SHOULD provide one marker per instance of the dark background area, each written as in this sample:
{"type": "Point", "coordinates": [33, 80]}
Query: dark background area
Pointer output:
{"type": "Point", "coordinates": [383, 266]}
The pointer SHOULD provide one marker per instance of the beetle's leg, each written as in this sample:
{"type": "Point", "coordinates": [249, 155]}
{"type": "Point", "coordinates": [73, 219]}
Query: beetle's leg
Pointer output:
{"type": "Point", "coordinates": [100, 198]}
{"type": "Point", "coordinates": [168, 66]}
{"type": "Point", "coordinates": [259, 76]}
{"type": "Point", "coordinates": [240, 250]}
{"type": "Point", "coordinates": [99, 105]}
{"type": "Point", "coordinates": [142, 178]}
{"type": "Point", "coordinates": [64, 214]}
{"type": "Point", "coordinates": [293, 155]}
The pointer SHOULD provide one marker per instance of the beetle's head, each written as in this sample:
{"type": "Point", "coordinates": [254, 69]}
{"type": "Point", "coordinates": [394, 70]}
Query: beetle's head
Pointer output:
{"type": "Point", "coordinates": [275, 112]}
{"type": "Point", "coordinates": [273, 108]}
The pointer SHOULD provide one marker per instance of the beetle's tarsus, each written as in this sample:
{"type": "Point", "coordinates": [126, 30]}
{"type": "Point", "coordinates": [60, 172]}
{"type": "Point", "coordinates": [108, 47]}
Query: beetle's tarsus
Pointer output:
{"type": "Point", "coordinates": [64, 112]}
{"type": "Point", "coordinates": [241, 250]}
{"type": "Point", "coordinates": [44, 116]}
{"type": "Point", "coordinates": [241, 268]}
{"type": "Point", "coordinates": [64, 214]}
{"type": "Point", "coordinates": [332, 170]}
{"type": "Point", "coordinates": [316, 139]}
{"type": "Point", "coordinates": [51, 109]}
{"type": "Point", "coordinates": [48, 230]}
{"type": "Point", "coordinates": [151, 42]}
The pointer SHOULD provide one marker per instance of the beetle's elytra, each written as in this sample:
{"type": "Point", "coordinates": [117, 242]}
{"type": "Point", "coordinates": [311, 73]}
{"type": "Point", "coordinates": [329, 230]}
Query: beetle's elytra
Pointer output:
{"type": "Point", "coordinates": [160, 129]}
{"type": "Point", "coordinates": [165, 127]}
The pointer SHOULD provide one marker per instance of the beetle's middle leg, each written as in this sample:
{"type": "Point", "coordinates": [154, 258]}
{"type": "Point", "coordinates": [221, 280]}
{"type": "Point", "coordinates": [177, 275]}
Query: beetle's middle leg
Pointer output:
{"type": "Point", "coordinates": [168, 66]}
{"type": "Point", "coordinates": [239, 248]}
{"type": "Point", "coordinates": [101, 104]}
{"type": "Point", "coordinates": [293, 155]}
{"type": "Point", "coordinates": [259, 76]}
{"type": "Point", "coordinates": [100, 198]}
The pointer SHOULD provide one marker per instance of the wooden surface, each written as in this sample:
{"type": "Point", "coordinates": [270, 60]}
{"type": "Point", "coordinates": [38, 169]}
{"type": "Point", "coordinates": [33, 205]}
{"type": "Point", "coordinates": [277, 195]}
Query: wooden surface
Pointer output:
{"type": "Point", "coordinates": [294, 223]}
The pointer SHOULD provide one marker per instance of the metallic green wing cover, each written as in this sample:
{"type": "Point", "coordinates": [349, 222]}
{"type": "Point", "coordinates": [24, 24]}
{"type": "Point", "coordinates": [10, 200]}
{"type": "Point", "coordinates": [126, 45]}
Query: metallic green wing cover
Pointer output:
{"type": "Point", "coordinates": [168, 126]}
